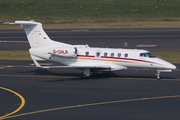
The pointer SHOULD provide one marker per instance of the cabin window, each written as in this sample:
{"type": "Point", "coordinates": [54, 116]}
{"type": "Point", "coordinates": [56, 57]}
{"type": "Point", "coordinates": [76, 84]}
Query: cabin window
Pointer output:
{"type": "Point", "coordinates": [119, 54]}
{"type": "Point", "coordinates": [97, 54]}
{"type": "Point", "coordinates": [126, 55]}
{"type": "Point", "coordinates": [105, 54]}
{"type": "Point", "coordinates": [87, 53]}
{"type": "Point", "coordinates": [75, 50]}
{"type": "Point", "coordinates": [112, 54]}
{"type": "Point", "coordinates": [143, 55]}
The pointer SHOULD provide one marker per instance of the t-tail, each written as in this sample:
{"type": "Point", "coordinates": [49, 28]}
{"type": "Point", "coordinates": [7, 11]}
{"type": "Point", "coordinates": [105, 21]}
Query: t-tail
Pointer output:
{"type": "Point", "coordinates": [36, 35]}
{"type": "Point", "coordinates": [40, 43]}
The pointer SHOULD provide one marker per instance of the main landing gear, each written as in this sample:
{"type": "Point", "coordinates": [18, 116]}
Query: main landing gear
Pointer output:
{"type": "Point", "coordinates": [83, 76]}
{"type": "Point", "coordinates": [86, 73]}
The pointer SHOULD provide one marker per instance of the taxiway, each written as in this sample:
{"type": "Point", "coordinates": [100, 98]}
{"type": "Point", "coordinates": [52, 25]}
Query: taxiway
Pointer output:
{"type": "Point", "coordinates": [28, 92]}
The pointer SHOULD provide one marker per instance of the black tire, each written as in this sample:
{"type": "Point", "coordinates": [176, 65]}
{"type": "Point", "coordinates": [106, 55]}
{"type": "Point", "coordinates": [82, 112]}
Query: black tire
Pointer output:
{"type": "Point", "coordinates": [95, 74]}
{"type": "Point", "coordinates": [158, 77]}
{"type": "Point", "coordinates": [83, 76]}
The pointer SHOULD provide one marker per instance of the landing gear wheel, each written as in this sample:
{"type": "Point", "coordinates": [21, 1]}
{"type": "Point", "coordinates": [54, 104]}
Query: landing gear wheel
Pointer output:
{"type": "Point", "coordinates": [95, 74]}
{"type": "Point", "coordinates": [158, 75]}
{"type": "Point", "coordinates": [83, 76]}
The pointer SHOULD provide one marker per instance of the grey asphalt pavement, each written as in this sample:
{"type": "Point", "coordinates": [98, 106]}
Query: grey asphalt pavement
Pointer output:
{"type": "Point", "coordinates": [28, 92]}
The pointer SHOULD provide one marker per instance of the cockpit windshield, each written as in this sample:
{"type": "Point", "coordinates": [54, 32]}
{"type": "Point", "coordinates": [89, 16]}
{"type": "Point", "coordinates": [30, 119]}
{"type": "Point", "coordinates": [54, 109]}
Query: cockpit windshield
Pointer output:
{"type": "Point", "coordinates": [148, 54]}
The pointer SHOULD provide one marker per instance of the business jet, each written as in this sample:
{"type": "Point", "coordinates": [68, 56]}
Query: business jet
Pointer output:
{"type": "Point", "coordinates": [90, 60]}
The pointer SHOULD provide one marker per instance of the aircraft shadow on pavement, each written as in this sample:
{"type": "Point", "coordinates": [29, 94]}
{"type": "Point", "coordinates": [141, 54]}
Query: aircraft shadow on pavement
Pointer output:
{"type": "Point", "coordinates": [76, 75]}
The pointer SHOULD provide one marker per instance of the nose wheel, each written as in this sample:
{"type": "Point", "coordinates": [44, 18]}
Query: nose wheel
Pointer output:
{"type": "Point", "coordinates": [158, 75]}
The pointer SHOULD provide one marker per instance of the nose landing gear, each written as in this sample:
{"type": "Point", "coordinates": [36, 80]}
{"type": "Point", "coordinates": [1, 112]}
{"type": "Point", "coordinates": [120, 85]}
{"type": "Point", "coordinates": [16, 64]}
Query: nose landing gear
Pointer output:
{"type": "Point", "coordinates": [158, 75]}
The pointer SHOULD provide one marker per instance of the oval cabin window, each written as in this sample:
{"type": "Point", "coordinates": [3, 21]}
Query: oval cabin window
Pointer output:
{"type": "Point", "coordinates": [112, 54]}
{"type": "Point", "coordinates": [126, 55]}
{"type": "Point", "coordinates": [87, 53]}
{"type": "Point", "coordinates": [97, 54]}
{"type": "Point", "coordinates": [119, 54]}
{"type": "Point", "coordinates": [105, 54]}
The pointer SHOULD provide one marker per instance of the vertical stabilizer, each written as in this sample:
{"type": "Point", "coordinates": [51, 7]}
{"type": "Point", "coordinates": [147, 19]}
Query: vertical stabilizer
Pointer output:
{"type": "Point", "coordinates": [35, 34]}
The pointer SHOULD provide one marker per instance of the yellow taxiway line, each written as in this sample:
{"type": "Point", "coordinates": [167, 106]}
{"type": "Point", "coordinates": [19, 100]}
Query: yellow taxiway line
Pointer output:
{"type": "Point", "coordinates": [3, 75]}
{"type": "Point", "coordinates": [5, 67]}
{"type": "Point", "coordinates": [38, 76]}
{"type": "Point", "coordinates": [22, 102]}
{"type": "Point", "coordinates": [16, 41]}
{"type": "Point", "coordinates": [92, 104]}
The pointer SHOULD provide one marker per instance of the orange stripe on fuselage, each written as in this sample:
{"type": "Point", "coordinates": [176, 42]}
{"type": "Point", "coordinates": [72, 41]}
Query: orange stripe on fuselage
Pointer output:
{"type": "Point", "coordinates": [104, 60]}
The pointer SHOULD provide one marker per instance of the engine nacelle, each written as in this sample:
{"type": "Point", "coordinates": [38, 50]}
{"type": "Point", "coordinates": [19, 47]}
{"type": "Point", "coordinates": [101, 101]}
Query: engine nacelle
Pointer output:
{"type": "Point", "coordinates": [64, 51]}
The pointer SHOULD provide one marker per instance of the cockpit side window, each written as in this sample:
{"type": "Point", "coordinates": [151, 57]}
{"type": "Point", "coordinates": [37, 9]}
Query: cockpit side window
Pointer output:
{"type": "Point", "coordinates": [143, 55]}
{"type": "Point", "coordinates": [150, 55]}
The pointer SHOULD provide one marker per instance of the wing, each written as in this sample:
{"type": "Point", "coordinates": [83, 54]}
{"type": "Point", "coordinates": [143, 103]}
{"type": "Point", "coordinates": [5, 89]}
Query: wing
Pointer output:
{"type": "Point", "coordinates": [80, 67]}
{"type": "Point", "coordinates": [96, 68]}
{"type": "Point", "coordinates": [109, 67]}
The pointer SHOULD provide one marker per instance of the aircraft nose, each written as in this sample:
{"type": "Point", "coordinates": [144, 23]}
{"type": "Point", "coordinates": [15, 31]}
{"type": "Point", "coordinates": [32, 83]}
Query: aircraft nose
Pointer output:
{"type": "Point", "coordinates": [170, 66]}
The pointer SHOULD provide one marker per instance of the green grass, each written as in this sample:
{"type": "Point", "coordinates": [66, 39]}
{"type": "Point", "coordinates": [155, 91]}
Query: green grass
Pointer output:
{"type": "Point", "coordinates": [148, 24]}
{"type": "Point", "coordinates": [89, 11]}
{"type": "Point", "coordinates": [170, 56]}
{"type": "Point", "coordinates": [14, 55]}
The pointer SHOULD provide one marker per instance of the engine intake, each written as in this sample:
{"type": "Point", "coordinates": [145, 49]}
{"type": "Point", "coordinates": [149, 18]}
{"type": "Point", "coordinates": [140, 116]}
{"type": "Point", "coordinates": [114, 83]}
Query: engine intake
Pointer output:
{"type": "Point", "coordinates": [64, 51]}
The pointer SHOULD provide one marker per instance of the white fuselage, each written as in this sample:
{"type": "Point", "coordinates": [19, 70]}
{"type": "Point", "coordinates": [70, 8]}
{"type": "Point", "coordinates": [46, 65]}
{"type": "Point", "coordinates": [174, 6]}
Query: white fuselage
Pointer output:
{"type": "Point", "coordinates": [87, 56]}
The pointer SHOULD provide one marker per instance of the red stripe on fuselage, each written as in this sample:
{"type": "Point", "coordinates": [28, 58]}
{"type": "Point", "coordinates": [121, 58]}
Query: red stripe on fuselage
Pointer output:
{"type": "Point", "coordinates": [91, 56]}
{"type": "Point", "coordinates": [85, 56]}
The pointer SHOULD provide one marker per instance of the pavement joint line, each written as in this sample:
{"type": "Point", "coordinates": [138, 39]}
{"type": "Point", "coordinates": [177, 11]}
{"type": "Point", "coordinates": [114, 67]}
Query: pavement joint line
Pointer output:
{"type": "Point", "coordinates": [21, 104]}
{"type": "Point", "coordinates": [91, 104]}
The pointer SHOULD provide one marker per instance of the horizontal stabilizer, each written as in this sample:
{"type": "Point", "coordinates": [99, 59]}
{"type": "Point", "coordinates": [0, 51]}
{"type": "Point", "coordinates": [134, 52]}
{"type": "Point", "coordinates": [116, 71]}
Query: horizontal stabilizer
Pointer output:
{"type": "Point", "coordinates": [22, 23]}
